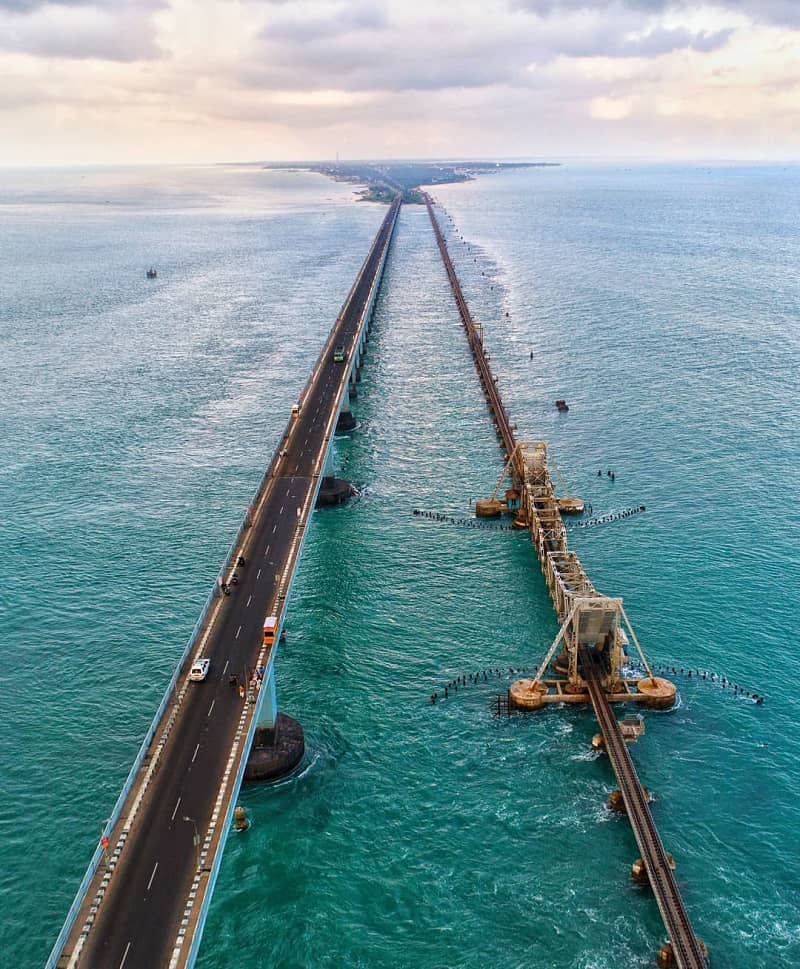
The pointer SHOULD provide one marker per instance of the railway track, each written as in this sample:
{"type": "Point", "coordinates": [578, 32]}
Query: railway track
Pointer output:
{"type": "Point", "coordinates": [685, 945]}
{"type": "Point", "coordinates": [687, 952]}
{"type": "Point", "coordinates": [493, 398]}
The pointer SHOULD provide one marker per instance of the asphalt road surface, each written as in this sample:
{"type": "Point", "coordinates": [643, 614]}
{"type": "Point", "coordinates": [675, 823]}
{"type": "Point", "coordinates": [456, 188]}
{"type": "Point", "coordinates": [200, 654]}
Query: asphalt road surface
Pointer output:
{"type": "Point", "coordinates": [138, 920]}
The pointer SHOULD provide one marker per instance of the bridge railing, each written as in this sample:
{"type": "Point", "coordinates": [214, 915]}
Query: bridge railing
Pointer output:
{"type": "Point", "coordinates": [230, 556]}
{"type": "Point", "coordinates": [327, 346]}
{"type": "Point", "coordinates": [228, 561]}
{"type": "Point", "coordinates": [126, 789]}
{"type": "Point", "coordinates": [227, 821]}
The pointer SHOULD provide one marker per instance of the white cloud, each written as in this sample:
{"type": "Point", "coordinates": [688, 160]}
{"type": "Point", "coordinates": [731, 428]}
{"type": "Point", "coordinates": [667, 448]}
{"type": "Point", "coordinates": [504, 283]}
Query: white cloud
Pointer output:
{"type": "Point", "coordinates": [119, 32]}
{"type": "Point", "coordinates": [610, 109]}
{"type": "Point", "coordinates": [204, 79]}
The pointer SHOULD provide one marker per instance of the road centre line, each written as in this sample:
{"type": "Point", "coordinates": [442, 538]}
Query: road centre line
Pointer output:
{"type": "Point", "coordinates": [258, 575]}
{"type": "Point", "coordinates": [211, 707]}
{"type": "Point", "coordinates": [237, 632]}
{"type": "Point", "coordinates": [152, 876]}
{"type": "Point", "coordinates": [195, 752]}
{"type": "Point", "coordinates": [260, 509]}
{"type": "Point", "coordinates": [249, 599]}
{"type": "Point", "coordinates": [227, 661]}
{"type": "Point", "coordinates": [175, 809]}
{"type": "Point", "coordinates": [124, 955]}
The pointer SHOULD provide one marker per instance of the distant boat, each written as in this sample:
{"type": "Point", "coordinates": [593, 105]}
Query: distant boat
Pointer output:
{"type": "Point", "coordinates": [151, 273]}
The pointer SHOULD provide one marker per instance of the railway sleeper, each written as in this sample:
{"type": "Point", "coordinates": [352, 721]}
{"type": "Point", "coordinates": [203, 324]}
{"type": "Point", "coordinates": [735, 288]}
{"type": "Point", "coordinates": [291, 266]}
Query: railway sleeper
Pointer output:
{"type": "Point", "coordinates": [666, 954]}
{"type": "Point", "coordinates": [639, 870]}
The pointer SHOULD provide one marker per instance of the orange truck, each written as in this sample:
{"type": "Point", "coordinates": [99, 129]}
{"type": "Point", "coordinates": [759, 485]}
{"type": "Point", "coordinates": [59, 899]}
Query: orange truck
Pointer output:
{"type": "Point", "coordinates": [270, 628]}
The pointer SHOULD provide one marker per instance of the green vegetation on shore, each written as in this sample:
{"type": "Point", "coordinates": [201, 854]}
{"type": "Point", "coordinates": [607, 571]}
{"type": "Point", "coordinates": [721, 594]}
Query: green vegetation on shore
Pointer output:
{"type": "Point", "coordinates": [384, 180]}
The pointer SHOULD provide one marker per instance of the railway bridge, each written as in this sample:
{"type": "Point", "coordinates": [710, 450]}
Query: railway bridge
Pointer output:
{"type": "Point", "coordinates": [143, 901]}
{"type": "Point", "coordinates": [589, 654]}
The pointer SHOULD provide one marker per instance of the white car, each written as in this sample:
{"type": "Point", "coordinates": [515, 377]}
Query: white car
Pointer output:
{"type": "Point", "coordinates": [199, 670]}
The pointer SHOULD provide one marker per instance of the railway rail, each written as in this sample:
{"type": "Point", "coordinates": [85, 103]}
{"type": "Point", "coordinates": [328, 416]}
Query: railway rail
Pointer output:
{"type": "Point", "coordinates": [685, 945]}
{"type": "Point", "coordinates": [570, 587]}
{"type": "Point", "coordinates": [495, 401]}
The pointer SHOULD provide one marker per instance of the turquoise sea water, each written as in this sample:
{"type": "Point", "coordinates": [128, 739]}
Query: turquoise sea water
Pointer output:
{"type": "Point", "coordinates": [138, 416]}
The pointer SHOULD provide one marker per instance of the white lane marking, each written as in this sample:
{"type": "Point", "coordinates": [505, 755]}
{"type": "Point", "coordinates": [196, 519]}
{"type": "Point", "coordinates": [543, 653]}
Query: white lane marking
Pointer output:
{"type": "Point", "coordinates": [281, 511]}
{"type": "Point", "coordinates": [152, 876]}
{"type": "Point", "coordinates": [175, 809]}
{"type": "Point", "coordinates": [274, 527]}
{"type": "Point", "coordinates": [238, 631]}
{"type": "Point", "coordinates": [248, 601]}
{"type": "Point", "coordinates": [258, 575]}
{"type": "Point", "coordinates": [267, 551]}
{"type": "Point", "coordinates": [195, 752]}
{"type": "Point", "coordinates": [211, 707]}
{"type": "Point", "coordinates": [227, 660]}
{"type": "Point", "coordinates": [124, 955]}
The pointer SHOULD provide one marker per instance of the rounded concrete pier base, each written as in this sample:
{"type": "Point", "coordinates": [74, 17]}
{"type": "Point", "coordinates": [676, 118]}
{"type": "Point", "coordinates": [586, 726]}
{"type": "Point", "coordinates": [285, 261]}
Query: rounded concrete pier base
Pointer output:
{"type": "Point", "coordinates": [345, 422]}
{"type": "Point", "coordinates": [488, 508]}
{"type": "Point", "coordinates": [660, 693]}
{"type": "Point", "coordinates": [276, 751]}
{"type": "Point", "coordinates": [334, 491]}
{"type": "Point", "coordinates": [526, 694]}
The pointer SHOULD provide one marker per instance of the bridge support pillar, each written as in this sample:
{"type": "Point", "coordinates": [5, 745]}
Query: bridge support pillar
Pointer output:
{"type": "Point", "coordinates": [333, 490]}
{"type": "Point", "coordinates": [269, 702]}
{"type": "Point", "coordinates": [346, 422]}
{"type": "Point", "coordinates": [279, 742]}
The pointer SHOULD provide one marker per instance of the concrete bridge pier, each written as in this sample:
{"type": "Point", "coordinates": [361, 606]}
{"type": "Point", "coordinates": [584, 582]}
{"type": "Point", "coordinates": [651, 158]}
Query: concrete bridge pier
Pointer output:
{"type": "Point", "coordinates": [278, 743]}
{"type": "Point", "coordinates": [333, 490]}
{"type": "Point", "coordinates": [345, 422]}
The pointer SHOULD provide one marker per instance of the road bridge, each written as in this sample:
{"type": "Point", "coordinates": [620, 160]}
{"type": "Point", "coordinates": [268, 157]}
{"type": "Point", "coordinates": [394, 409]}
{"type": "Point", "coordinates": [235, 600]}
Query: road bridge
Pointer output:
{"type": "Point", "coordinates": [143, 901]}
{"type": "Point", "coordinates": [592, 640]}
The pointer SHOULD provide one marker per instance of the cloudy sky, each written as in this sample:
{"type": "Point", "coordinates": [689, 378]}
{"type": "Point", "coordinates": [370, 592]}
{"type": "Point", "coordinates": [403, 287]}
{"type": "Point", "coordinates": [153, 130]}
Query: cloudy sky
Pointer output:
{"type": "Point", "coordinates": [208, 80]}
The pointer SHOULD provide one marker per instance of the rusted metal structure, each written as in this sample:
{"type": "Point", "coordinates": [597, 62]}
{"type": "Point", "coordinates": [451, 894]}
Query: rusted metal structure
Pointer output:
{"type": "Point", "coordinates": [589, 655]}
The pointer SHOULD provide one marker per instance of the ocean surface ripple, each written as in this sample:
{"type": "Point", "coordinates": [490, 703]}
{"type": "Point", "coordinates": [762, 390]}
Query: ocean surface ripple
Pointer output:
{"type": "Point", "coordinates": [138, 415]}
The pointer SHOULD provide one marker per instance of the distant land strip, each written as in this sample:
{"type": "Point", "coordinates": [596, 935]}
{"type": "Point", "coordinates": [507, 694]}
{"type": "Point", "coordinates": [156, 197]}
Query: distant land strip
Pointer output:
{"type": "Point", "coordinates": [385, 179]}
